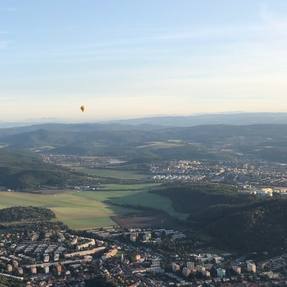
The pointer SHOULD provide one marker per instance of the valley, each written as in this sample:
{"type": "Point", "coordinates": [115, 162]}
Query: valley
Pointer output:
{"type": "Point", "coordinates": [90, 209]}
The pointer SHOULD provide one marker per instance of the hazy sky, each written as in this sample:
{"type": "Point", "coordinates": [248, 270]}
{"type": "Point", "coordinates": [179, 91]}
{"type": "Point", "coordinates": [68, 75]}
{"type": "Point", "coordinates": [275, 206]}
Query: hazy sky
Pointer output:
{"type": "Point", "coordinates": [125, 58]}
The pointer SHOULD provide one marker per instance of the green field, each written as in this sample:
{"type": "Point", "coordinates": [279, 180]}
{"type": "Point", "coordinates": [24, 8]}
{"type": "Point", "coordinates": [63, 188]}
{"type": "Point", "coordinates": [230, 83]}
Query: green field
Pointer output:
{"type": "Point", "coordinates": [86, 209]}
{"type": "Point", "coordinates": [112, 173]}
{"type": "Point", "coordinates": [130, 187]}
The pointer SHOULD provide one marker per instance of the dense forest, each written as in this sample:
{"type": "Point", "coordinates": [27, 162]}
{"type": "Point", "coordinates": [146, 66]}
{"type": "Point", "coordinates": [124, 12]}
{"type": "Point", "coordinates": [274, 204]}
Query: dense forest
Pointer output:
{"type": "Point", "coordinates": [234, 220]}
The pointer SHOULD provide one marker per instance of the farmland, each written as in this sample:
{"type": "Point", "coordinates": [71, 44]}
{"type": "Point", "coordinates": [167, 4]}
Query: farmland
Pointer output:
{"type": "Point", "coordinates": [112, 173]}
{"type": "Point", "coordinates": [86, 209]}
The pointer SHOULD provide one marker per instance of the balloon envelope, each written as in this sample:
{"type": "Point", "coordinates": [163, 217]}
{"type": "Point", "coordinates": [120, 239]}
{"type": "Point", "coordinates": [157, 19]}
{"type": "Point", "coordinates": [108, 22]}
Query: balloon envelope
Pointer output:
{"type": "Point", "coordinates": [82, 108]}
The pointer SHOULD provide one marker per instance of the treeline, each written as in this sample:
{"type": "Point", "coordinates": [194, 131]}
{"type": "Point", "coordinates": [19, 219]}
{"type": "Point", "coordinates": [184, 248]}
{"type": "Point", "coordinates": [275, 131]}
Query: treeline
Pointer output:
{"type": "Point", "coordinates": [20, 213]}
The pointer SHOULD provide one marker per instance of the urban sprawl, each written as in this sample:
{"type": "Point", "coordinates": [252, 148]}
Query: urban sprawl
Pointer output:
{"type": "Point", "coordinates": [127, 257]}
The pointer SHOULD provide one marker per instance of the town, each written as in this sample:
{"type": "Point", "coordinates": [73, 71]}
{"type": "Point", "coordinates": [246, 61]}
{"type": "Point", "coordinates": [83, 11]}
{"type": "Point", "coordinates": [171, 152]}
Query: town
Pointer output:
{"type": "Point", "coordinates": [51, 255]}
{"type": "Point", "coordinates": [260, 178]}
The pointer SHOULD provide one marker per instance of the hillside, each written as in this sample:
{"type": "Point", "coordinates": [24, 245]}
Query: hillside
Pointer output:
{"type": "Point", "coordinates": [234, 221]}
{"type": "Point", "coordinates": [140, 143]}
{"type": "Point", "coordinates": [256, 227]}
{"type": "Point", "coordinates": [23, 170]}
{"type": "Point", "coordinates": [197, 199]}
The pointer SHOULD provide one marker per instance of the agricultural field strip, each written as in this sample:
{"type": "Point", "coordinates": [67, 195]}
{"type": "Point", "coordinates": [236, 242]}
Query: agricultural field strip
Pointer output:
{"type": "Point", "coordinates": [111, 173]}
{"type": "Point", "coordinates": [90, 209]}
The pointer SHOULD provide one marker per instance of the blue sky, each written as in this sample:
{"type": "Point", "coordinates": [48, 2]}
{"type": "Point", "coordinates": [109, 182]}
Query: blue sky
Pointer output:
{"type": "Point", "coordinates": [132, 58]}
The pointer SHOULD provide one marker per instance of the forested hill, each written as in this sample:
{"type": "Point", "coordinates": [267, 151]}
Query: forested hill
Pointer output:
{"type": "Point", "coordinates": [148, 143]}
{"type": "Point", "coordinates": [23, 170]}
{"type": "Point", "coordinates": [233, 220]}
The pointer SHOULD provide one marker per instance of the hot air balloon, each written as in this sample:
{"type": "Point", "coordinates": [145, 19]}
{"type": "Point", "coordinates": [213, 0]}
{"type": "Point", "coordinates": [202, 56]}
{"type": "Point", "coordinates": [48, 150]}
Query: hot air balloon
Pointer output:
{"type": "Point", "coordinates": [82, 108]}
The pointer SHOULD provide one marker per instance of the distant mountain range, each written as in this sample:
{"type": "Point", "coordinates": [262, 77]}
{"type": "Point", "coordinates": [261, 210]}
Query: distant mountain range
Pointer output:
{"type": "Point", "coordinates": [145, 143]}
{"type": "Point", "coordinates": [238, 118]}
{"type": "Point", "coordinates": [210, 119]}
